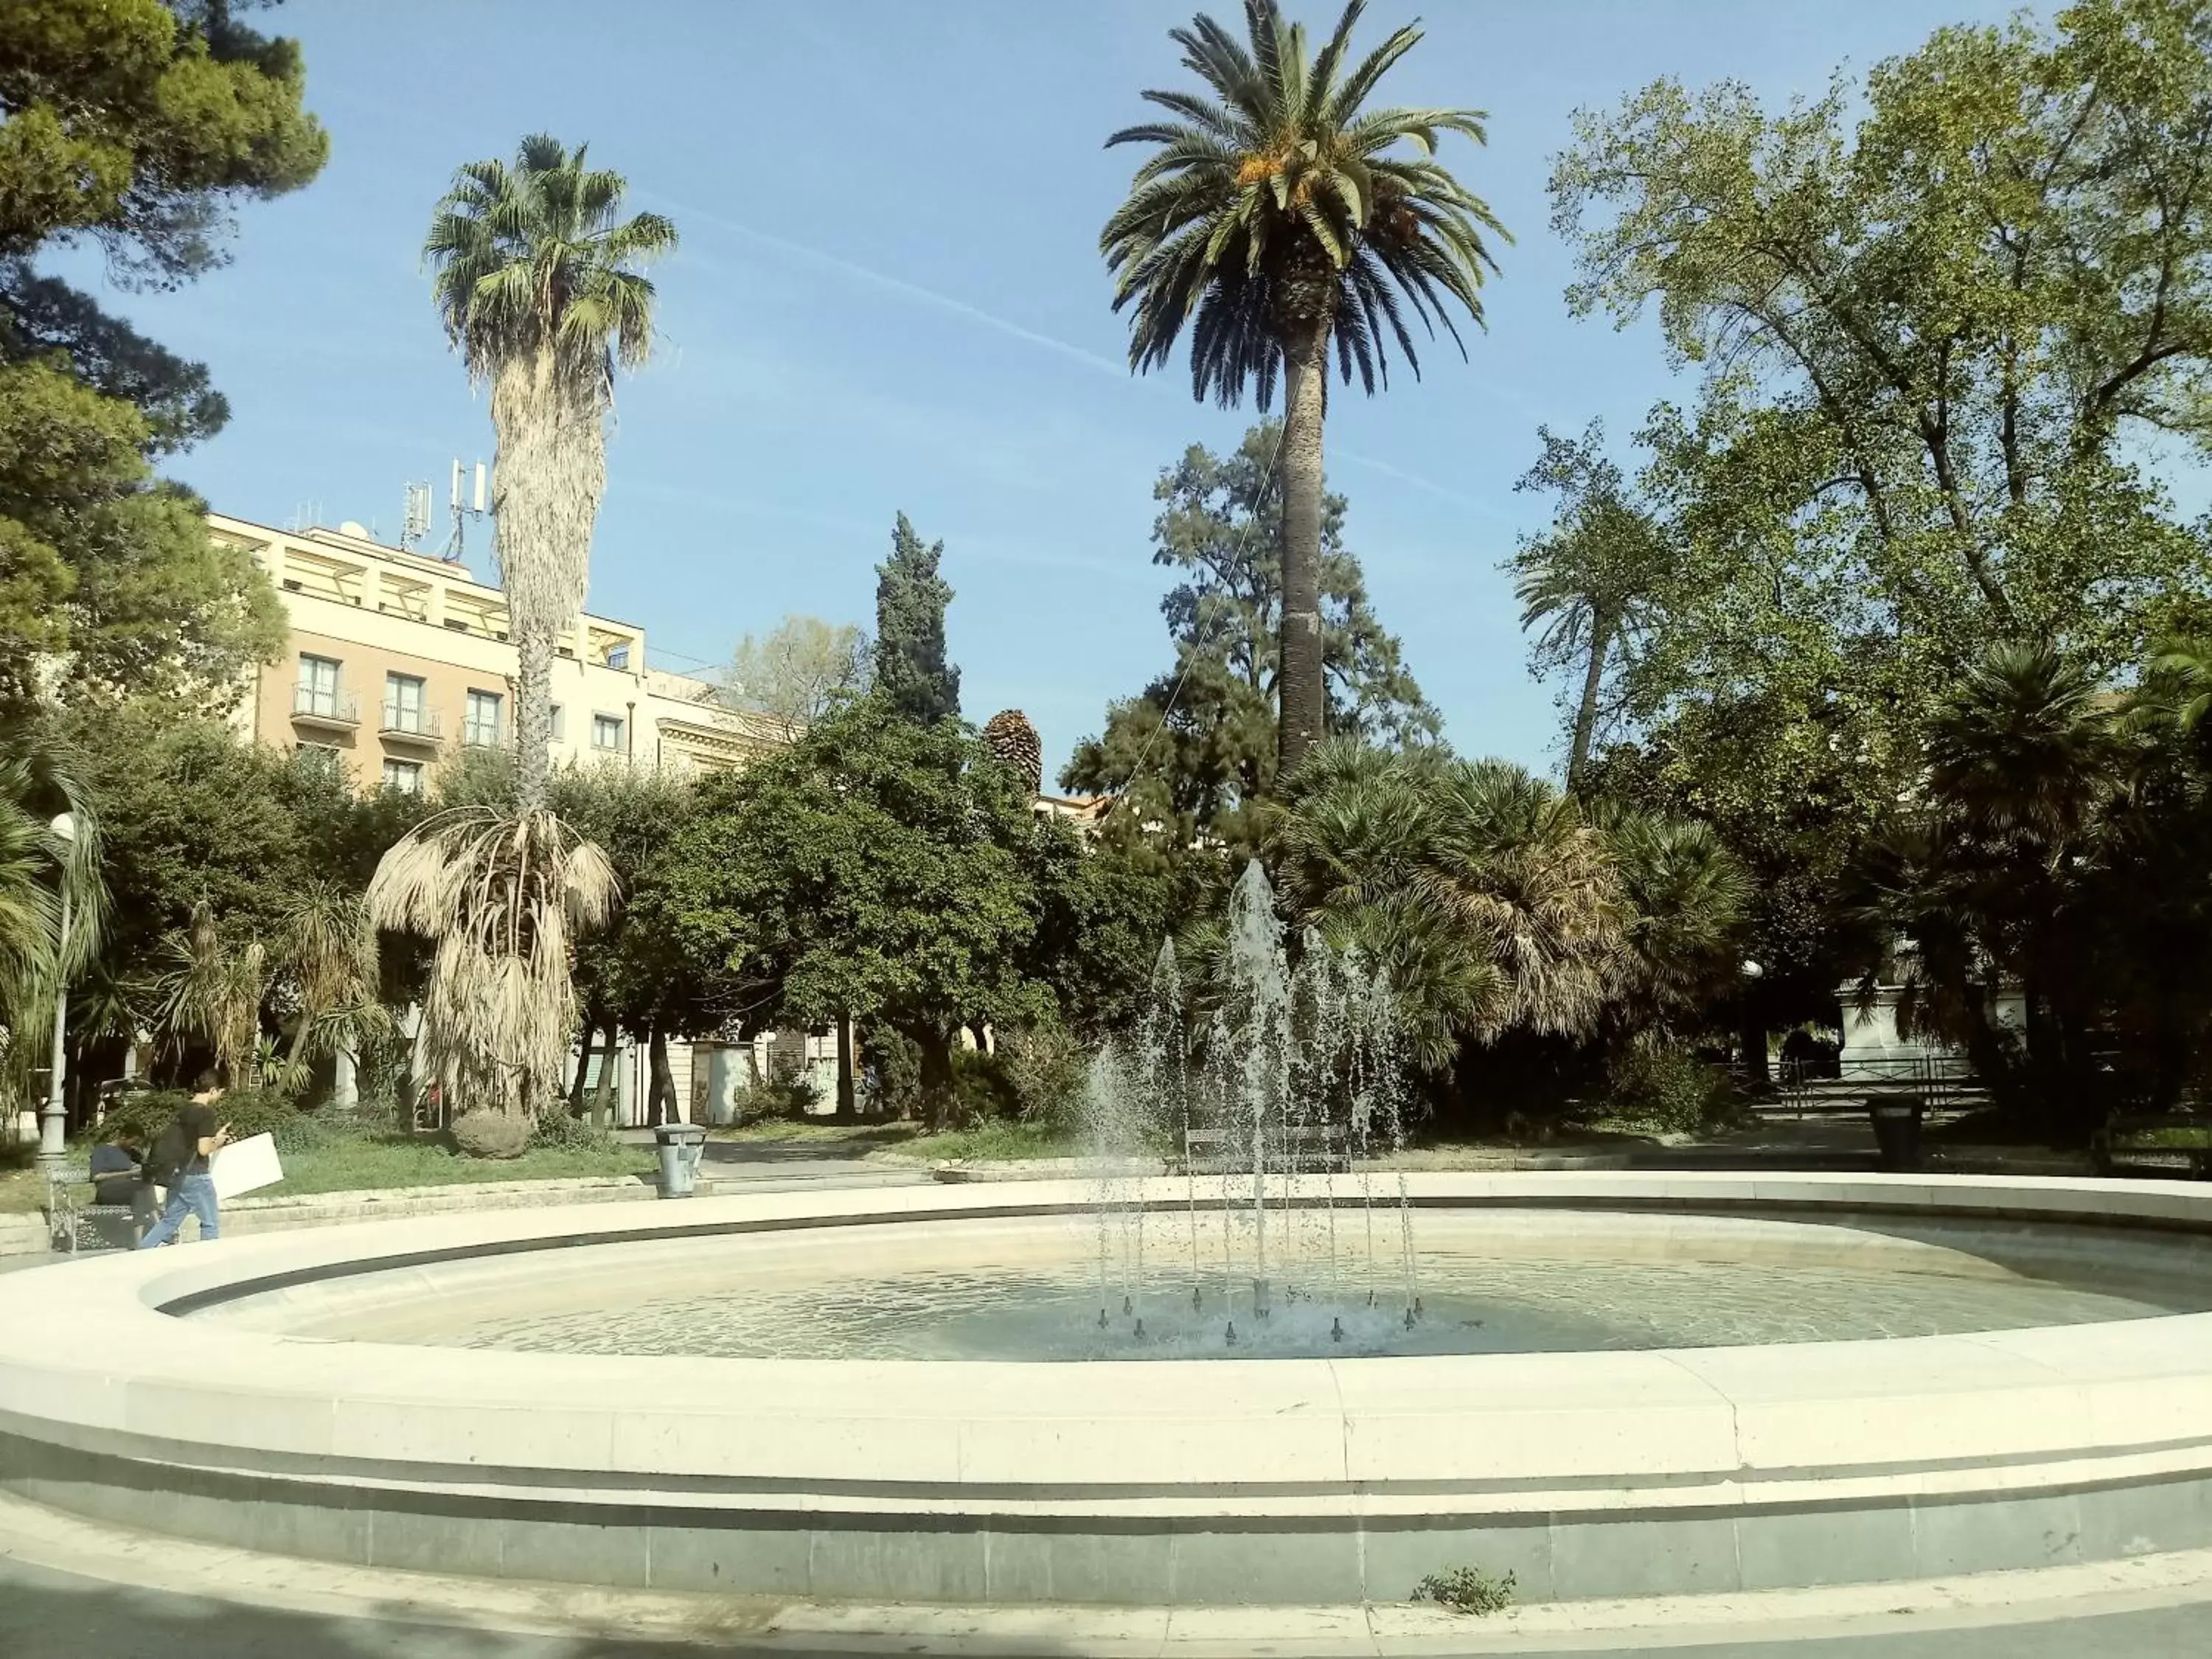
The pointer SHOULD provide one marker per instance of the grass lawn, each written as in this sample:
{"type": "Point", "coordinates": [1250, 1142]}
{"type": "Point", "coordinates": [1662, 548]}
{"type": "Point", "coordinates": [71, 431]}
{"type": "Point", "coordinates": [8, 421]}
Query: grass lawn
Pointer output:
{"type": "Point", "coordinates": [349, 1164]}
{"type": "Point", "coordinates": [352, 1164]}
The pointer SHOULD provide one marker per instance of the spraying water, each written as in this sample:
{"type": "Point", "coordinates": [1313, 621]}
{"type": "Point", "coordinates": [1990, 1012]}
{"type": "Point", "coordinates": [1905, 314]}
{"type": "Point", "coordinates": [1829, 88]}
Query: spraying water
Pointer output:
{"type": "Point", "coordinates": [1298, 1081]}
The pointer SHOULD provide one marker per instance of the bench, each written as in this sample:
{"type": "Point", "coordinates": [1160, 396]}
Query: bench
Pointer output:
{"type": "Point", "coordinates": [72, 1225]}
{"type": "Point", "coordinates": [1305, 1148]}
{"type": "Point", "coordinates": [2191, 1156]}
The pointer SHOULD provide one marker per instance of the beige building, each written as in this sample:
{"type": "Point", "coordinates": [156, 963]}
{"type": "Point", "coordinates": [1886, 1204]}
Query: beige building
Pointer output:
{"type": "Point", "coordinates": [397, 659]}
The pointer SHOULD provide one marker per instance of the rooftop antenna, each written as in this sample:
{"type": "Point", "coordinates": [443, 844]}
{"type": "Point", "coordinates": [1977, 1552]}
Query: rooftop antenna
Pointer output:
{"type": "Point", "coordinates": [464, 509]}
{"type": "Point", "coordinates": [414, 520]}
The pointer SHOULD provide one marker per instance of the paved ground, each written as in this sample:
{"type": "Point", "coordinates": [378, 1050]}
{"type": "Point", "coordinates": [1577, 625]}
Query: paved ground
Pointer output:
{"type": "Point", "coordinates": [47, 1614]}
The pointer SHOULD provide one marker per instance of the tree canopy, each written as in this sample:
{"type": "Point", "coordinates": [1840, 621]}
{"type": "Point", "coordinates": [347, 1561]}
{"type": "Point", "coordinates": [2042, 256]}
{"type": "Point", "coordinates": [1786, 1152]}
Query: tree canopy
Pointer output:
{"type": "Point", "coordinates": [1197, 746]}
{"type": "Point", "coordinates": [796, 672]}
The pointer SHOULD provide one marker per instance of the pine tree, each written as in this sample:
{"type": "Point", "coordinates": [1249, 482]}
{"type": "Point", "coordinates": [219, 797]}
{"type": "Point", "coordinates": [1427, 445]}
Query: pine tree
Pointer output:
{"type": "Point", "coordinates": [911, 671]}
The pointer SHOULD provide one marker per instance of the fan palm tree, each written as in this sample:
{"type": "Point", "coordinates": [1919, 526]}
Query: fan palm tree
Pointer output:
{"type": "Point", "coordinates": [536, 279]}
{"type": "Point", "coordinates": [504, 894]}
{"type": "Point", "coordinates": [1277, 216]}
{"type": "Point", "coordinates": [1480, 889]}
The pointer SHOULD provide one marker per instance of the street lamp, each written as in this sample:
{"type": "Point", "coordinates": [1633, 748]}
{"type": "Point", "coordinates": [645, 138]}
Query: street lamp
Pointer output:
{"type": "Point", "coordinates": [52, 1150]}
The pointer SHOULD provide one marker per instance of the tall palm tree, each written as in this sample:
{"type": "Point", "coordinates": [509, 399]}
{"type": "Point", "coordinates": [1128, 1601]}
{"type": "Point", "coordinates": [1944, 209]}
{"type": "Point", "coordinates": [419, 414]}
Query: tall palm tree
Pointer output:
{"type": "Point", "coordinates": [1277, 217]}
{"type": "Point", "coordinates": [537, 280]}
{"type": "Point", "coordinates": [1587, 585]}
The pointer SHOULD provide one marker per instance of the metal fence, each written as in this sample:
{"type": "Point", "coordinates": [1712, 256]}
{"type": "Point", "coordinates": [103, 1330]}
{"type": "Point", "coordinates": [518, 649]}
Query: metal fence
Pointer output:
{"type": "Point", "coordinates": [1940, 1082]}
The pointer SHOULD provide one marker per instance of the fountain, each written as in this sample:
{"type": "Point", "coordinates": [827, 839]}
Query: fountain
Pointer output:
{"type": "Point", "coordinates": [1277, 1117]}
{"type": "Point", "coordinates": [1606, 1382]}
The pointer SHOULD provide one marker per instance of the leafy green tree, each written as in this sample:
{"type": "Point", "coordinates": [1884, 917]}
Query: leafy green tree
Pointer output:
{"type": "Point", "coordinates": [1587, 585]}
{"type": "Point", "coordinates": [134, 125]}
{"type": "Point", "coordinates": [1277, 217]}
{"type": "Point", "coordinates": [797, 672]}
{"type": "Point", "coordinates": [880, 868]}
{"type": "Point", "coordinates": [910, 669]}
{"type": "Point", "coordinates": [1930, 336]}
{"type": "Point", "coordinates": [1197, 746]}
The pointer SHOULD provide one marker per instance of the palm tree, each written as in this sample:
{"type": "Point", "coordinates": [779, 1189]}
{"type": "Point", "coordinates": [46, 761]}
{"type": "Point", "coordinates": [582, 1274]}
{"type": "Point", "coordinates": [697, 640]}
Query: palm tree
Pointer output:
{"type": "Point", "coordinates": [538, 285]}
{"type": "Point", "coordinates": [537, 282]}
{"type": "Point", "coordinates": [1489, 902]}
{"type": "Point", "coordinates": [1276, 216]}
{"type": "Point", "coordinates": [211, 988]}
{"type": "Point", "coordinates": [38, 867]}
{"type": "Point", "coordinates": [1586, 585]}
{"type": "Point", "coordinates": [504, 894]}
{"type": "Point", "coordinates": [328, 956]}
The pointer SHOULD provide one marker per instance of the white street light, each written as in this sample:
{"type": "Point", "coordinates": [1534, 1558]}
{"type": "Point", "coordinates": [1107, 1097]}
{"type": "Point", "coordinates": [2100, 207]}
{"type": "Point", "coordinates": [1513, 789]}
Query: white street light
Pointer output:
{"type": "Point", "coordinates": [52, 1149]}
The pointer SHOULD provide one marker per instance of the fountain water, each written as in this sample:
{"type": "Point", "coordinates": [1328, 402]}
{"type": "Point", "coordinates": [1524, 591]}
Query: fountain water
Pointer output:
{"type": "Point", "coordinates": [1278, 1116]}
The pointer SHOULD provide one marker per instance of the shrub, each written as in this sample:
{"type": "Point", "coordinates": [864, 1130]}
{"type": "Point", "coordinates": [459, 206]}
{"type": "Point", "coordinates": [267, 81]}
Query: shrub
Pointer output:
{"type": "Point", "coordinates": [892, 1072]}
{"type": "Point", "coordinates": [1467, 1589]}
{"type": "Point", "coordinates": [783, 1097]}
{"type": "Point", "coordinates": [1665, 1086]}
{"type": "Point", "coordinates": [981, 1090]}
{"type": "Point", "coordinates": [562, 1132]}
{"type": "Point", "coordinates": [491, 1134]}
{"type": "Point", "coordinates": [248, 1112]}
{"type": "Point", "coordinates": [1047, 1070]}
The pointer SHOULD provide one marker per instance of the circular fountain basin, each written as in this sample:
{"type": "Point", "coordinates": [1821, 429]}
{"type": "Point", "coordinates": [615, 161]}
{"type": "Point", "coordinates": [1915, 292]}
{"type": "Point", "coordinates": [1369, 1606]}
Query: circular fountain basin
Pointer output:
{"type": "Point", "coordinates": [1617, 1384]}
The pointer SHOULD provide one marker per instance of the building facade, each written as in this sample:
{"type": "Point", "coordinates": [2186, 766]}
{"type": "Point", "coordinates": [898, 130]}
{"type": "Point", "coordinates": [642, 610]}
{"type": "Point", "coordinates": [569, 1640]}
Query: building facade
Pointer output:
{"type": "Point", "coordinates": [396, 660]}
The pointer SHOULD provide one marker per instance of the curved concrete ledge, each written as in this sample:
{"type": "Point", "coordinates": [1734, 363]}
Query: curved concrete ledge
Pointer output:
{"type": "Point", "coordinates": [1288, 1481]}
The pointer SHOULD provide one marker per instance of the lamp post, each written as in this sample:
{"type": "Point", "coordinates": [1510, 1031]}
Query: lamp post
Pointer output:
{"type": "Point", "coordinates": [52, 1149]}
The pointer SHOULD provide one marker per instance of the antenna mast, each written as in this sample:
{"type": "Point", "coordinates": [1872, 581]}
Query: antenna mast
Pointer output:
{"type": "Point", "coordinates": [464, 509]}
{"type": "Point", "coordinates": [415, 520]}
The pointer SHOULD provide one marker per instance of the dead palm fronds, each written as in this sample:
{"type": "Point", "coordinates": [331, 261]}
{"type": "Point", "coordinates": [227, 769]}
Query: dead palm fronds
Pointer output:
{"type": "Point", "coordinates": [503, 895]}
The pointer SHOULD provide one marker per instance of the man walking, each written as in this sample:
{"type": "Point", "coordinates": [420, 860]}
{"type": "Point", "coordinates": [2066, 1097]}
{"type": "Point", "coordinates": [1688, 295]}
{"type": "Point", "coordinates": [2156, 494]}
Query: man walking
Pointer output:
{"type": "Point", "coordinates": [181, 1157]}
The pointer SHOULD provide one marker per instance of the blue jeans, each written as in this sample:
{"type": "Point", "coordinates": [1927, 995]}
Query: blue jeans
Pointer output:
{"type": "Point", "coordinates": [193, 1195]}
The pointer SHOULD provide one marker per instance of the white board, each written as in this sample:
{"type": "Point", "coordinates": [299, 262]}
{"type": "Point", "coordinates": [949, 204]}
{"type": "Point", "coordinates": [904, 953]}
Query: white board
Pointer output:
{"type": "Point", "coordinates": [245, 1165]}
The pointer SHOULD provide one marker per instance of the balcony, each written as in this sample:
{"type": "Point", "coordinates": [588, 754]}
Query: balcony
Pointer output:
{"type": "Point", "coordinates": [325, 711]}
{"type": "Point", "coordinates": [418, 726]}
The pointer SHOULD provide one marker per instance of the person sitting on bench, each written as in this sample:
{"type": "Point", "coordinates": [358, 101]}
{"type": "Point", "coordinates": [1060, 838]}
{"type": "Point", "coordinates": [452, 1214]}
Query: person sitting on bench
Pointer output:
{"type": "Point", "coordinates": [119, 1179]}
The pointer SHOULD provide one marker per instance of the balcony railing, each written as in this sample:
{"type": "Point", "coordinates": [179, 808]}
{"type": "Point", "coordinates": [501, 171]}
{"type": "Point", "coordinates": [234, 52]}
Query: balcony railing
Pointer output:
{"type": "Point", "coordinates": [479, 734]}
{"type": "Point", "coordinates": [314, 706]}
{"type": "Point", "coordinates": [410, 725]}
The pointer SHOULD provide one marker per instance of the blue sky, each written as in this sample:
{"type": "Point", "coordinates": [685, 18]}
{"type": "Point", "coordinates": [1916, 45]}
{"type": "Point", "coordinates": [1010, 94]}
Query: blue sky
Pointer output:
{"type": "Point", "coordinates": [889, 296]}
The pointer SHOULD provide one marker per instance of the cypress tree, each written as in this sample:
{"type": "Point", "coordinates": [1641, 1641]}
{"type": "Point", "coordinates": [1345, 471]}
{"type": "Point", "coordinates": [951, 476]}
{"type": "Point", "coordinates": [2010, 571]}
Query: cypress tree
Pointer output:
{"type": "Point", "coordinates": [911, 672]}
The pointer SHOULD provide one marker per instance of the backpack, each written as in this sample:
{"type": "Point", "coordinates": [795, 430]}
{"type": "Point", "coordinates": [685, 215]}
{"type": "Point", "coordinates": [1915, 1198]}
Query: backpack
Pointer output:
{"type": "Point", "coordinates": [171, 1153]}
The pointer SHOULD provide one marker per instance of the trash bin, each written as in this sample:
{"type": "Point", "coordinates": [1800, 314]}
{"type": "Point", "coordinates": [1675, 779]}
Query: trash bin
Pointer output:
{"type": "Point", "coordinates": [1896, 1131]}
{"type": "Point", "coordinates": [682, 1146]}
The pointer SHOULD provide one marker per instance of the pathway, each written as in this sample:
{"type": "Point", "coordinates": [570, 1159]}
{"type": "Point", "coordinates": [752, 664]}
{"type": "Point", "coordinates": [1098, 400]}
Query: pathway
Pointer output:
{"type": "Point", "coordinates": [48, 1614]}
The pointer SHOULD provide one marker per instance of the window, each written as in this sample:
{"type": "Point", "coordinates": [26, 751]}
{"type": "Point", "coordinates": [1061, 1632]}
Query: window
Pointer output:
{"type": "Point", "coordinates": [607, 731]}
{"type": "Point", "coordinates": [618, 656]}
{"type": "Point", "coordinates": [558, 729]}
{"type": "Point", "coordinates": [404, 776]}
{"type": "Point", "coordinates": [402, 703]}
{"type": "Point", "coordinates": [321, 760]}
{"type": "Point", "coordinates": [482, 727]}
{"type": "Point", "coordinates": [319, 687]}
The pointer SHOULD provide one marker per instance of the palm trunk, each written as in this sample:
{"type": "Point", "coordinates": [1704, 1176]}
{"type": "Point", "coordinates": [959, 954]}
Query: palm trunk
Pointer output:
{"type": "Point", "coordinates": [547, 474]}
{"type": "Point", "coordinates": [1298, 683]}
{"type": "Point", "coordinates": [1586, 710]}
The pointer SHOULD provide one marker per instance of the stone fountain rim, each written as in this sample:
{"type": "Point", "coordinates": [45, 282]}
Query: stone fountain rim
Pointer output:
{"type": "Point", "coordinates": [87, 1356]}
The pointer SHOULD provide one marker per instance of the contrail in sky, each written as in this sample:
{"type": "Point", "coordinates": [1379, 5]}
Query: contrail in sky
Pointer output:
{"type": "Point", "coordinates": [899, 285]}
{"type": "Point", "coordinates": [1388, 471]}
